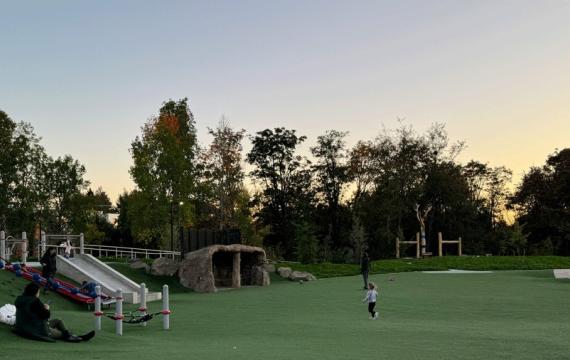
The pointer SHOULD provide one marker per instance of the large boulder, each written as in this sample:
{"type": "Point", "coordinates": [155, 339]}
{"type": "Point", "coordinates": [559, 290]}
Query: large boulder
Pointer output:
{"type": "Point", "coordinates": [260, 276]}
{"type": "Point", "coordinates": [269, 267]}
{"type": "Point", "coordinates": [289, 274]}
{"type": "Point", "coordinates": [164, 267]}
{"type": "Point", "coordinates": [139, 264]}
{"type": "Point", "coordinates": [302, 275]}
{"type": "Point", "coordinates": [284, 272]}
{"type": "Point", "coordinates": [196, 271]}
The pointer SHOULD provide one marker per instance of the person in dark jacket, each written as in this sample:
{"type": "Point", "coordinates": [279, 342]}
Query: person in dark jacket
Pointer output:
{"type": "Point", "coordinates": [365, 268]}
{"type": "Point", "coordinates": [49, 267]}
{"type": "Point", "coordinates": [33, 319]}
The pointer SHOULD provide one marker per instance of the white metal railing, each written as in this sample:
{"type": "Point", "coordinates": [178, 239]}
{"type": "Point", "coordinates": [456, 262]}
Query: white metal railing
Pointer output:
{"type": "Point", "coordinates": [7, 244]}
{"type": "Point", "coordinates": [119, 251]}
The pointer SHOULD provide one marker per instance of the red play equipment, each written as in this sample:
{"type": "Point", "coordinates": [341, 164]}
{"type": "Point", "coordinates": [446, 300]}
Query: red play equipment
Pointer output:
{"type": "Point", "coordinates": [61, 287]}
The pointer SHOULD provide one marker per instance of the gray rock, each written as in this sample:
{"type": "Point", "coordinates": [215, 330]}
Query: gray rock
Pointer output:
{"type": "Point", "coordinates": [164, 267]}
{"type": "Point", "coordinates": [284, 272]}
{"type": "Point", "coordinates": [139, 264]}
{"type": "Point", "coordinates": [260, 276]}
{"type": "Point", "coordinates": [301, 275]}
{"type": "Point", "coordinates": [270, 268]}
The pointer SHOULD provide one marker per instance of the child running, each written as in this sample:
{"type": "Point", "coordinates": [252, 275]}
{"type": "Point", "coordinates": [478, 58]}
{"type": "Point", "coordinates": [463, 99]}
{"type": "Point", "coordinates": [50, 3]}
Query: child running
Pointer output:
{"type": "Point", "coordinates": [371, 296]}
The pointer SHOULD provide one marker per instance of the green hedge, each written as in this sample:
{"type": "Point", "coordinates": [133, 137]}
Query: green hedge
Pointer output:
{"type": "Point", "coordinates": [324, 270]}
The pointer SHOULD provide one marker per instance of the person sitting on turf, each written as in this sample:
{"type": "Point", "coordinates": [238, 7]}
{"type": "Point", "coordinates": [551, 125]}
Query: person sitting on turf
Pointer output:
{"type": "Point", "coordinates": [33, 319]}
{"type": "Point", "coordinates": [49, 267]}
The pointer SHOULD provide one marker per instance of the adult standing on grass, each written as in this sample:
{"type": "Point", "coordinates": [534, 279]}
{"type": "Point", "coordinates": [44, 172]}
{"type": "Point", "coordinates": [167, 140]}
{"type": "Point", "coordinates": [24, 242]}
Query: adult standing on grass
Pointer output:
{"type": "Point", "coordinates": [365, 268]}
{"type": "Point", "coordinates": [49, 267]}
{"type": "Point", "coordinates": [33, 319]}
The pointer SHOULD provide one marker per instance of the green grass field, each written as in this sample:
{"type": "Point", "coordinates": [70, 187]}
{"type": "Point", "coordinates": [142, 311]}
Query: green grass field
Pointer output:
{"type": "Point", "coordinates": [503, 315]}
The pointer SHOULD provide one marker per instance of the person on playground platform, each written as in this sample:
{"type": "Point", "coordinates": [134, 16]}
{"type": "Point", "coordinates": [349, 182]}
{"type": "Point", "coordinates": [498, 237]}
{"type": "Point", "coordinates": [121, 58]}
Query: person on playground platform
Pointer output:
{"type": "Point", "coordinates": [33, 319]}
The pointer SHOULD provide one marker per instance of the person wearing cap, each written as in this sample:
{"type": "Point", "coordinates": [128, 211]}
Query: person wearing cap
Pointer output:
{"type": "Point", "coordinates": [33, 319]}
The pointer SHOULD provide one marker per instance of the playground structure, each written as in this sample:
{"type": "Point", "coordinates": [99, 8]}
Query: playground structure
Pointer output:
{"type": "Point", "coordinates": [416, 243]}
{"type": "Point", "coordinates": [85, 267]}
{"type": "Point", "coordinates": [81, 267]}
{"type": "Point", "coordinates": [61, 287]}
{"type": "Point", "coordinates": [140, 316]}
{"type": "Point", "coordinates": [224, 266]}
{"type": "Point", "coordinates": [441, 242]}
{"type": "Point", "coordinates": [9, 244]}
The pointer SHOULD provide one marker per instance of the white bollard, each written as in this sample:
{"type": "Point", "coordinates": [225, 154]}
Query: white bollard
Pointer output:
{"type": "Point", "coordinates": [98, 312]}
{"type": "Point", "coordinates": [81, 244]}
{"type": "Point", "coordinates": [119, 313]}
{"type": "Point", "coordinates": [165, 308]}
{"type": "Point", "coordinates": [142, 307]}
{"type": "Point", "coordinates": [24, 248]}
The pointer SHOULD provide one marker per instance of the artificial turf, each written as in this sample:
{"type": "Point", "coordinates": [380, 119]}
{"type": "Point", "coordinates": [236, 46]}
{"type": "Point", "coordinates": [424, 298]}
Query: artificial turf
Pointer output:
{"type": "Point", "coordinates": [502, 315]}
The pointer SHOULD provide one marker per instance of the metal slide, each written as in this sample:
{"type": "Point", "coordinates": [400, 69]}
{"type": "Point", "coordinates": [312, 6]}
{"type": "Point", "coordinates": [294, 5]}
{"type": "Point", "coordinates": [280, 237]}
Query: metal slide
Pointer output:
{"type": "Point", "coordinates": [86, 267]}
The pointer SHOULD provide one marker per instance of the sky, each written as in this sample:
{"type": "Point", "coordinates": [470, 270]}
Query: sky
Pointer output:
{"type": "Point", "coordinates": [88, 74]}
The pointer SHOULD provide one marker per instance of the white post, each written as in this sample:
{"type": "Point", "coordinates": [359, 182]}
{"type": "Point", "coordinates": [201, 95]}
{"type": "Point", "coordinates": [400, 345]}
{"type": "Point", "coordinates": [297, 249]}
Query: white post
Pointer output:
{"type": "Point", "coordinates": [142, 308]}
{"type": "Point", "coordinates": [119, 313]}
{"type": "Point", "coordinates": [24, 247]}
{"type": "Point", "coordinates": [98, 312]}
{"type": "Point", "coordinates": [165, 308]}
{"type": "Point", "coordinates": [81, 244]}
{"type": "Point", "coordinates": [2, 246]}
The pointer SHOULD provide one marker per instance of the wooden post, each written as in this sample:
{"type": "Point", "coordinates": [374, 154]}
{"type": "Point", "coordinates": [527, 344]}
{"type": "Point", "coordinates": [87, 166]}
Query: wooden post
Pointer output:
{"type": "Point", "coordinates": [24, 248]}
{"type": "Point", "coordinates": [397, 248]}
{"type": "Point", "coordinates": [43, 244]}
{"type": "Point", "coordinates": [459, 247]}
{"type": "Point", "coordinates": [439, 244]}
{"type": "Point", "coordinates": [417, 245]}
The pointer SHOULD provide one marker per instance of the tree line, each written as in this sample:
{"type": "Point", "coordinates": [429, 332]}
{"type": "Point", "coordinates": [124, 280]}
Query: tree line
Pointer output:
{"type": "Point", "coordinates": [329, 205]}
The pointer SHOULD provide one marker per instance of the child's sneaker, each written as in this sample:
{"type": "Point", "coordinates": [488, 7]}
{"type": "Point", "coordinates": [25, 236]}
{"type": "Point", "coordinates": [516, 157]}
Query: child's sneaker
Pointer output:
{"type": "Point", "coordinates": [376, 315]}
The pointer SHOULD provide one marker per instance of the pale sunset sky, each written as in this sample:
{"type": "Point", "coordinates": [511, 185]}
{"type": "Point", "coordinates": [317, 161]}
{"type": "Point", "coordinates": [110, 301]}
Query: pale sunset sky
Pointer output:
{"type": "Point", "coordinates": [88, 74]}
